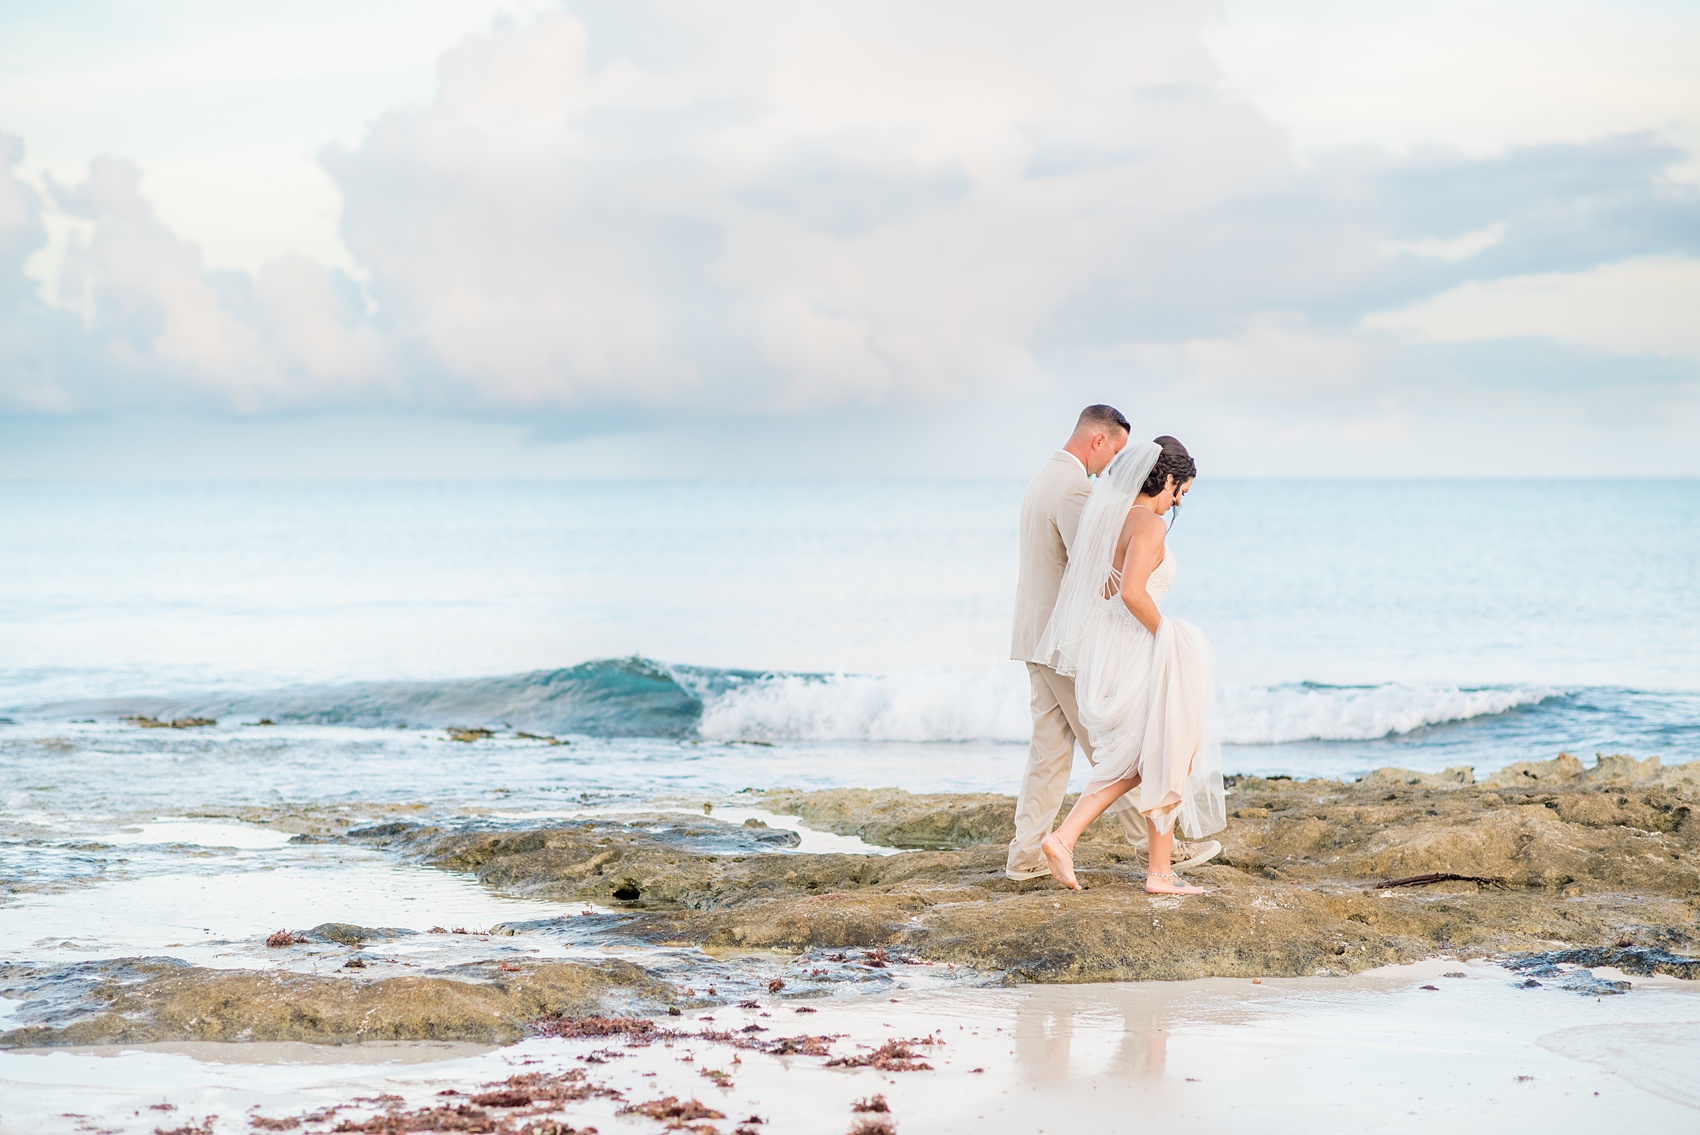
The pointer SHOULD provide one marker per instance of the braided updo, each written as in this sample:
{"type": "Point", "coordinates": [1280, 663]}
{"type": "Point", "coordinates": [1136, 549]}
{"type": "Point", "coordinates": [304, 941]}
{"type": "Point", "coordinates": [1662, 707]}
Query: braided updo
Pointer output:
{"type": "Point", "coordinates": [1174, 462]}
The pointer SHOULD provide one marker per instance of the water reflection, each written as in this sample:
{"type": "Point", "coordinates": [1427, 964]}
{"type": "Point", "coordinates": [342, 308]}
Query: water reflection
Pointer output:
{"type": "Point", "coordinates": [1048, 1038]}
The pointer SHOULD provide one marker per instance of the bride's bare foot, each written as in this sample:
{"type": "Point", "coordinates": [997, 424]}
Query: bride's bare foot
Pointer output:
{"type": "Point", "coordinates": [1166, 883]}
{"type": "Point", "coordinates": [1061, 860]}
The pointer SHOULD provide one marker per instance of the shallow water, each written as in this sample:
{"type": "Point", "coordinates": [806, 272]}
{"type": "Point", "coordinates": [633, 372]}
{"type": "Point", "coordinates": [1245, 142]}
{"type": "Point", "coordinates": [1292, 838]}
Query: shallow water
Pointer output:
{"type": "Point", "coordinates": [213, 906]}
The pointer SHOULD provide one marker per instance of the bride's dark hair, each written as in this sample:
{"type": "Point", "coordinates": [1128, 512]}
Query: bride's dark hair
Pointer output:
{"type": "Point", "coordinates": [1174, 462]}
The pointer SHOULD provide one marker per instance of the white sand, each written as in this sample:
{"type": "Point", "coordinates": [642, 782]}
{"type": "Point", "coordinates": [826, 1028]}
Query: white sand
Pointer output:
{"type": "Point", "coordinates": [1375, 1052]}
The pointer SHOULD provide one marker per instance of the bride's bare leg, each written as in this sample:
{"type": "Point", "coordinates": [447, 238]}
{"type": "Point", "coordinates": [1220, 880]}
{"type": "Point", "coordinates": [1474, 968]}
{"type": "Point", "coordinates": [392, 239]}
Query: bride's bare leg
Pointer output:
{"type": "Point", "coordinates": [1160, 879]}
{"type": "Point", "coordinates": [1059, 845]}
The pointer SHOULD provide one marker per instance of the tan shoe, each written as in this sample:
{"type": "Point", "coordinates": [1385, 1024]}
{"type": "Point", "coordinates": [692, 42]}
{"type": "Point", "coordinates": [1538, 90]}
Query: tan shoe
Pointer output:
{"type": "Point", "coordinates": [1185, 854]}
{"type": "Point", "coordinates": [1022, 875]}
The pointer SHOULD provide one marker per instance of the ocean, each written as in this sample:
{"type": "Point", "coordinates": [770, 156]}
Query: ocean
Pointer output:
{"type": "Point", "coordinates": [834, 623]}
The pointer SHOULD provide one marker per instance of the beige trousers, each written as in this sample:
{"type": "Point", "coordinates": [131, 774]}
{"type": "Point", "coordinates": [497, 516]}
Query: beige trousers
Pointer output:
{"type": "Point", "coordinates": [1050, 760]}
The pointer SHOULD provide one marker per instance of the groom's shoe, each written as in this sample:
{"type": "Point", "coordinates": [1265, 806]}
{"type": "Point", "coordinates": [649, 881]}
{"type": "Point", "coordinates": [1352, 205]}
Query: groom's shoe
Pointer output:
{"type": "Point", "coordinates": [1023, 875]}
{"type": "Point", "coordinates": [1185, 854]}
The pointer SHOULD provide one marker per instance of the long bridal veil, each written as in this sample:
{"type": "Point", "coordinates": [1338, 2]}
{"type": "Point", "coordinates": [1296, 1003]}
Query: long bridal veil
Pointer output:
{"type": "Point", "coordinates": [1093, 554]}
{"type": "Point", "coordinates": [1146, 700]}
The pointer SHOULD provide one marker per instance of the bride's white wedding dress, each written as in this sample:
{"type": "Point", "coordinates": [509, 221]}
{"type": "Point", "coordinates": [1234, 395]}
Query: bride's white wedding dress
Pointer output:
{"type": "Point", "coordinates": [1146, 702]}
{"type": "Point", "coordinates": [1145, 699]}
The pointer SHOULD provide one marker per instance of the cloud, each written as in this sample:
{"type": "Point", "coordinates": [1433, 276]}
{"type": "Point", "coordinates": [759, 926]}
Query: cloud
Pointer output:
{"type": "Point", "coordinates": [1642, 306]}
{"type": "Point", "coordinates": [138, 322]}
{"type": "Point", "coordinates": [21, 230]}
{"type": "Point", "coordinates": [30, 332]}
{"type": "Point", "coordinates": [611, 213]}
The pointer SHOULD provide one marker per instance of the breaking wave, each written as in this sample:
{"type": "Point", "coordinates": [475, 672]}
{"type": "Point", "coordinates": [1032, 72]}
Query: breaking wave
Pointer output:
{"type": "Point", "coordinates": [637, 697]}
{"type": "Point", "coordinates": [956, 706]}
{"type": "Point", "coordinates": [1306, 711]}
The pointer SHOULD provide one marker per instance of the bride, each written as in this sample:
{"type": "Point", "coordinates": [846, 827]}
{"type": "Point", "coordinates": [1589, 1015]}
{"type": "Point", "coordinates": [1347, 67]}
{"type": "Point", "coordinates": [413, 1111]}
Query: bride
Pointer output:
{"type": "Point", "coordinates": [1143, 680]}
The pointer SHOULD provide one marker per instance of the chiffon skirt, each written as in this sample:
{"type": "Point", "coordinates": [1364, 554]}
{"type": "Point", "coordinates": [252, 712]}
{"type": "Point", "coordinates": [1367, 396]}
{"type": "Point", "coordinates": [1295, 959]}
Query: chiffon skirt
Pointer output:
{"type": "Point", "coordinates": [1147, 703]}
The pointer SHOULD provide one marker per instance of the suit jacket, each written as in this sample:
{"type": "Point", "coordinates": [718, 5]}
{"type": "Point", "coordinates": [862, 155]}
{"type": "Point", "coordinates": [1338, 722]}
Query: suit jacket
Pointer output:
{"type": "Point", "coordinates": [1050, 515]}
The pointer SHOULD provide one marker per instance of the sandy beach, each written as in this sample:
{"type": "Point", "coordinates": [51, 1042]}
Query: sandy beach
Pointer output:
{"type": "Point", "coordinates": [1400, 1049]}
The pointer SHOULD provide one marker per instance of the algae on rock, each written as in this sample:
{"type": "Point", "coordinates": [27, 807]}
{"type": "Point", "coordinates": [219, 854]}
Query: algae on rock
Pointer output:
{"type": "Point", "coordinates": [157, 999]}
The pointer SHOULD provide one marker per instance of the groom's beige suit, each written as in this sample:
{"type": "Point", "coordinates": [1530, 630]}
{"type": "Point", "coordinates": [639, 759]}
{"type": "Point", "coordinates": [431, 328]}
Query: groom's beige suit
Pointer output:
{"type": "Point", "coordinates": [1050, 514]}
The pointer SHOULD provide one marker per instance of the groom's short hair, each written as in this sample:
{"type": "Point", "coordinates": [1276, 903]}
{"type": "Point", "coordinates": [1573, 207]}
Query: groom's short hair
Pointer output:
{"type": "Point", "coordinates": [1102, 416]}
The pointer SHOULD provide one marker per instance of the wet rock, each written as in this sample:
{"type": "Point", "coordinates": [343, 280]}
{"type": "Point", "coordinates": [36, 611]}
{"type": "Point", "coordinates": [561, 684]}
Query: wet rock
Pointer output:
{"type": "Point", "coordinates": [484, 1003]}
{"type": "Point", "coordinates": [530, 926]}
{"type": "Point", "coordinates": [1545, 825]}
{"type": "Point", "coordinates": [1609, 770]}
{"type": "Point", "coordinates": [1550, 853]}
{"type": "Point", "coordinates": [1557, 852]}
{"type": "Point", "coordinates": [655, 860]}
{"type": "Point", "coordinates": [1560, 769]}
{"type": "Point", "coordinates": [1584, 981]}
{"type": "Point", "coordinates": [1639, 960]}
{"type": "Point", "coordinates": [143, 721]}
{"type": "Point", "coordinates": [316, 821]}
{"type": "Point", "coordinates": [1459, 776]}
{"type": "Point", "coordinates": [348, 934]}
{"type": "Point", "coordinates": [1573, 978]}
{"type": "Point", "coordinates": [383, 831]}
{"type": "Point", "coordinates": [61, 994]}
{"type": "Point", "coordinates": [890, 817]}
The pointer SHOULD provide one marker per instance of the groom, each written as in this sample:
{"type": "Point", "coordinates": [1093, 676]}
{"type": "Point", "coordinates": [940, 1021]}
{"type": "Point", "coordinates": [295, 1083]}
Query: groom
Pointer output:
{"type": "Point", "coordinates": [1050, 514]}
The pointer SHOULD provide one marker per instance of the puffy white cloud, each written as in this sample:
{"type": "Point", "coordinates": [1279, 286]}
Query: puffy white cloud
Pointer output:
{"type": "Point", "coordinates": [150, 301]}
{"type": "Point", "coordinates": [26, 342]}
{"type": "Point", "coordinates": [140, 323]}
{"type": "Point", "coordinates": [21, 231]}
{"type": "Point", "coordinates": [666, 209]}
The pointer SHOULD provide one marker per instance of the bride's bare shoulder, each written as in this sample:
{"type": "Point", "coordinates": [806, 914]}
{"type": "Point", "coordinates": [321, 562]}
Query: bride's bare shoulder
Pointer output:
{"type": "Point", "coordinates": [1142, 529]}
{"type": "Point", "coordinates": [1142, 522]}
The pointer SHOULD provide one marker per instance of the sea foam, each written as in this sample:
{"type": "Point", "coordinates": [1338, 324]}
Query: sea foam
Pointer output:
{"type": "Point", "coordinates": [970, 706]}
{"type": "Point", "coordinates": [1272, 715]}
{"type": "Point", "coordinates": [636, 697]}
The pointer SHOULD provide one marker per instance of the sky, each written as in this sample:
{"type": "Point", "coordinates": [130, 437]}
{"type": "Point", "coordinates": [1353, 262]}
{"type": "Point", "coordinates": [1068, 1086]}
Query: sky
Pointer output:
{"type": "Point", "coordinates": [609, 238]}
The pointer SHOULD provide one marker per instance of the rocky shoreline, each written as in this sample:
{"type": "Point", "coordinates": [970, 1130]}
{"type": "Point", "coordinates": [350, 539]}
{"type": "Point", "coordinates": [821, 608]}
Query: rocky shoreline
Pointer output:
{"type": "Point", "coordinates": [1316, 877]}
{"type": "Point", "coordinates": [1543, 855]}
